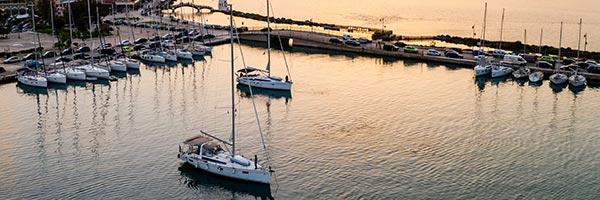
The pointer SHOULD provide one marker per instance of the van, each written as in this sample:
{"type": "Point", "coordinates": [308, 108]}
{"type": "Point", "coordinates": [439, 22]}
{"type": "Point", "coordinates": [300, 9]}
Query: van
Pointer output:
{"type": "Point", "coordinates": [514, 60]}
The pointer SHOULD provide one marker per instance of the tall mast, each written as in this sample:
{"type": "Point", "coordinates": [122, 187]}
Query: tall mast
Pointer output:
{"type": "Point", "coordinates": [90, 31]}
{"type": "Point", "coordinates": [37, 34]}
{"type": "Point", "coordinates": [232, 82]}
{"type": "Point", "coordinates": [525, 41]}
{"type": "Point", "coordinates": [70, 23]}
{"type": "Point", "coordinates": [118, 29]}
{"type": "Point", "coordinates": [127, 15]}
{"type": "Point", "coordinates": [268, 38]}
{"type": "Point", "coordinates": [560, 41]}
{"type": "Point", "coordinates": [52, 16]}
{"type": "Point", "coordinates": [579, 41]}
{"type": "Point", "coordinates": [484, 26]}
{"type": "Point", "coordinates": [501, 29]}
{"type": "Point", "coordinates": [541, 36]}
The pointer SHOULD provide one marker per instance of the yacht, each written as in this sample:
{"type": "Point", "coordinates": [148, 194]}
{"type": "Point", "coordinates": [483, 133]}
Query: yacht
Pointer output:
{"type": "Point", "coordinates": [152, 57]}
{"type": "Point", "coordinates": [483, 67]}
{"type": "Point", "coordinates": [522, 72]}
{"type": "Point", "coordinates": [73, 74]}
{"type": "Point", "coordinates": [184, 54]}
{"type": "Point", "coordinates": [130, 63]}
{"type": "Point", "coordinates": [56, 77]}
{"type": "Point", "coordinates": [94, 71]}
{"type": "Point", "coordinates": [254, 77]}
{"type": "Point", "coordinates": [536, 77]}
{"type": "Point", "coordinates": [168, 55]}
{"type": "Point", "coordinates": [577, 80]}
{"type": "Point", "coordinates": [28, 77]}
{"type": "Point", "coordinates": [205, 154]}
{"type": "Point", "coordinates": [558, 78]}
{"type": "Point", "coordinates": [116, 65]}
{"type": "Point", "coordinates": [500, 71]}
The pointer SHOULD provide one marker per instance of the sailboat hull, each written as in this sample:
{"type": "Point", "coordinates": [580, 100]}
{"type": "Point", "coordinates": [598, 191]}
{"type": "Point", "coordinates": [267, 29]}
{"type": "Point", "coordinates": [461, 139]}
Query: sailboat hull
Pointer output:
{"type": "Point", "coordinates": [251, 175]}
{"type": "Point", "coordinates": [265, 83]}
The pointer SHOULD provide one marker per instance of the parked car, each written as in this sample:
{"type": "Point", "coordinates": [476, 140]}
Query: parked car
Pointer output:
{"type": "Point", "coordinates": [105, 46]}
{"type": "Point", "coordinates": [498, 53]}
{"type": "Point", "coordinates": [568, 61]}
{"type": "Point", "coordinates": [389, 47]}
{"type": "Point", "coordinates": [14, 59]}
{"type": "Point", "coordinates": [62, 59]}
{"type": "Point", "coordinates": [364, 40]}
{"type": "Point", "coordinates": [155, 39]}
{"type": "Point", "coordinates": [81, 56]}
{"type": "Point", "coordinates": [433, 52]}
{"type": "Point", "coordinates": [83, 50]}
{"type": "Point", "coordinates": [127, 49]}
{"type": "Point", "coordinates": [138, 47]}
{"type": "Point", "coordinates": [410, 49]}
{"type": "Point", "coordinates": [154, 45]}
{"type": "Point", "coordinates": [49, 54]}
{"type": "Point", "coordinates": [352, 43]}
{"type": "Point", "coordinates": [545, 65]}
{"type": "Point", "coordinates": [31, 56]}
{"type": "Point", "coordinates": [124, 43]}
{"type": "Point", "coordinates": [140, 41]}
{"type": "Point", "coordinates": [453, 54]}
{"type": "Point", "coordinates": [107, 51]}
{"type": "Point", "coordinates": [547, 59]}
{"type": "Point", "coordinates": [335, 40]}
{"type": "Point", "coordinates": [400, 44]}
{"type": "Point", "coordinates": [530, 58]}
{"type": "Point", "coordinates": [514, 60]}
{"type": "Point", "coordinates": [477, 53]}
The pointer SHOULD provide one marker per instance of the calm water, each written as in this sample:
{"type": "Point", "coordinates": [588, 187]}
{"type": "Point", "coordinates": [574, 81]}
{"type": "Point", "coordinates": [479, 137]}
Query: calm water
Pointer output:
{"type": "Point", "coordinates": [433, 17]}
{"type": "Point", "coordinates": [352, 128]}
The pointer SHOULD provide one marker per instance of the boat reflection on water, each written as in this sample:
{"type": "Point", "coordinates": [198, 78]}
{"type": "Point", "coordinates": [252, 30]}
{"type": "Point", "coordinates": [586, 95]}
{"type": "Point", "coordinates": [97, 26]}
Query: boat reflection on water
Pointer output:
{"type": "Point", "coordinates": [273, 94]}
{"type": "Point", "coordinates": [557, 88]}
{"type": "Point", "coordinates": [197, 178]}
{"type": "Point", "coordinates": [576, 89]}
{"type": "Point", "coordinates": [28, 90]}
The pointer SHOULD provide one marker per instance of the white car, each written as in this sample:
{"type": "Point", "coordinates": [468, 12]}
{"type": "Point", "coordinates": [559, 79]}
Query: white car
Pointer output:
{"type": "Point", "coordinates": [433, 52]}
{"type": "Point", "coordinates": [10, 60]}
{"type": "Point", "coordinates": [124, 43]}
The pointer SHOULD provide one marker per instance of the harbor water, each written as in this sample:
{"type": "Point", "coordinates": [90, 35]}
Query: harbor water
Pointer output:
{"type": "Point", "coordinates": [352, 128]}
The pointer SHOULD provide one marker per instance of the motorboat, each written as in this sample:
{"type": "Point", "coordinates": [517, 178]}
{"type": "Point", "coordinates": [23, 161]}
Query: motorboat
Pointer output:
{"type": "Point", "coordinates": [536, 77]}
{"type": "Point", "coordinates": [483, 67]}
{"type": "Point", "coordinates": [152, 57]}
{"type": "Point", "coordinates": [92, 70]}
{"type": "Point", "coordinates": [184, 54]}
{"type": "Point", "coordinates": [500, 71]}
{"type": "Point", "coordinates": [259, 78]}
{"type": "Point", "coordinates": [577, 80]}
{"type": "Point", "coordinates": [558, 78]}
{"type": "Point", "coordinates": [522, 72]}
{"type": "Point", "coordinates": [116, 65]}
{"type": "Point", "coordinates": [29, 77]}
{"type": "Point", "coordinates": [168, 55]}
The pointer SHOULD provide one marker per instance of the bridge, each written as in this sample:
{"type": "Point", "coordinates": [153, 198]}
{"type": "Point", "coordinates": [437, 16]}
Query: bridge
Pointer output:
{"type": "Point", "coordinates": [190, 5]}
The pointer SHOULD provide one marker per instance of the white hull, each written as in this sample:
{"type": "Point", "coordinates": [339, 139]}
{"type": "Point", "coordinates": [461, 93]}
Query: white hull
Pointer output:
{"type": "Point", "coordinates": [93, 71]}
{"type": "Point", "coordinates": [521, 73]}
{"type": "Point", "coordinates": [168, 56]}
{"type": "Point", "coordinates": [152, 58]}
{"type": "Point", "coordinates": [34, 81]}
{"type": "Point", "coordinates": [227, 169]}
{"type": "Point", "coordinates": [265, 83]}
{"type": "Point", "coordinates": [501, 71]}
{"type": "Point", "coordinates": [56, 78]}
{"type": "Point", "coordinates": [118, 66]}
{"type": "Point", "coordinates": [73, 74]}
{"type": "Point", "coordinates": [186, 55]}
{"type": "Point", "coordinates": [130, 63]}
{"type": "Point", "coordinates": [481, 70]}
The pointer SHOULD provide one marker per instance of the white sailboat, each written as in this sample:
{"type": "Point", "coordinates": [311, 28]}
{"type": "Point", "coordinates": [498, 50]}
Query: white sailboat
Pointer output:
{"type": "Point", "coordinates": [53, 77]}
{"type": "Point", "coordinates": [116, 65]}
{"type": "Point", "coordinates": [254, 77]}
{"type": "Point", "coordinates": [522, 72]}
{"type": "Point", "coordinates": [483, 67]}
{"type": "Point", "coordinates": [152, 56]}
{"type": "Point", "coordinates": [92, 70]}
{"type": "Point", "coordinates": [203, 153]}
{"type": "Point", "coordinates": [72, 73]}
{"type": "Point", "coordinates": [28, 77]}
{"type": "Point", "coordinates": [500, 71]}
{"type": "Point", "coordinates": [130, 63]}
{"type": "Point", "coordinates": [559, 78]}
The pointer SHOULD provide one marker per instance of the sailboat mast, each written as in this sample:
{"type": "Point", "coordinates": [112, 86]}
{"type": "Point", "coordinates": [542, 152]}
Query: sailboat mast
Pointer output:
{"type": "Point", "coordinates": [560, 41]}
{"type": "Point", "coordinates": [484, 26]}
{"type": "Point", "coordinates": [127, 15]}
{"type": "Point", "coordinates": [70, 23]}
{"type": "Point", "coordinates": [118, 29]}
{"type": "Point", "coordinates": [37, 34]}
{"type": "Point", "coordinates": [268, 38]}
{"type": "Point", "coordinates": [232, 82]}
{"type": "Point", "coordinates": [90, 31]}
{"type": "Point", "coordinates": [501, 29]}
{"type": "Point", "coordinates": [579, 41]}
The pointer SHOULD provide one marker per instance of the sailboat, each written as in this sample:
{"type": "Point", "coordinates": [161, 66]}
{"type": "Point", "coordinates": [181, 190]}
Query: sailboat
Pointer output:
{"type": "Point", "coordinates": [204, 153]}
{"type": "Point", "coordinates": [536, 77]}
{"type": "Point", "coordinates": [577, 80]}
{"type": "Point", "coordinates": [259, 78]}
{"type": "Point", "coordinates": [53, 77]}
{"type": "Point", "coordinates": [70, 72]}
{"type": "Point", "coordinates": [29, 77]}
{"type": "Point", "coordinates": [559, 78]}
{"type": "Point", "coordinates": [483, 67]}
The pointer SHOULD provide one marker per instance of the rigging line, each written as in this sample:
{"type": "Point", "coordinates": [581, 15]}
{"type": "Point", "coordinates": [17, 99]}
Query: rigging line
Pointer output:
{"type": "Point", "coordinates": [251, 91]}
{"type": "Point", "coordinates": [281, 46]}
